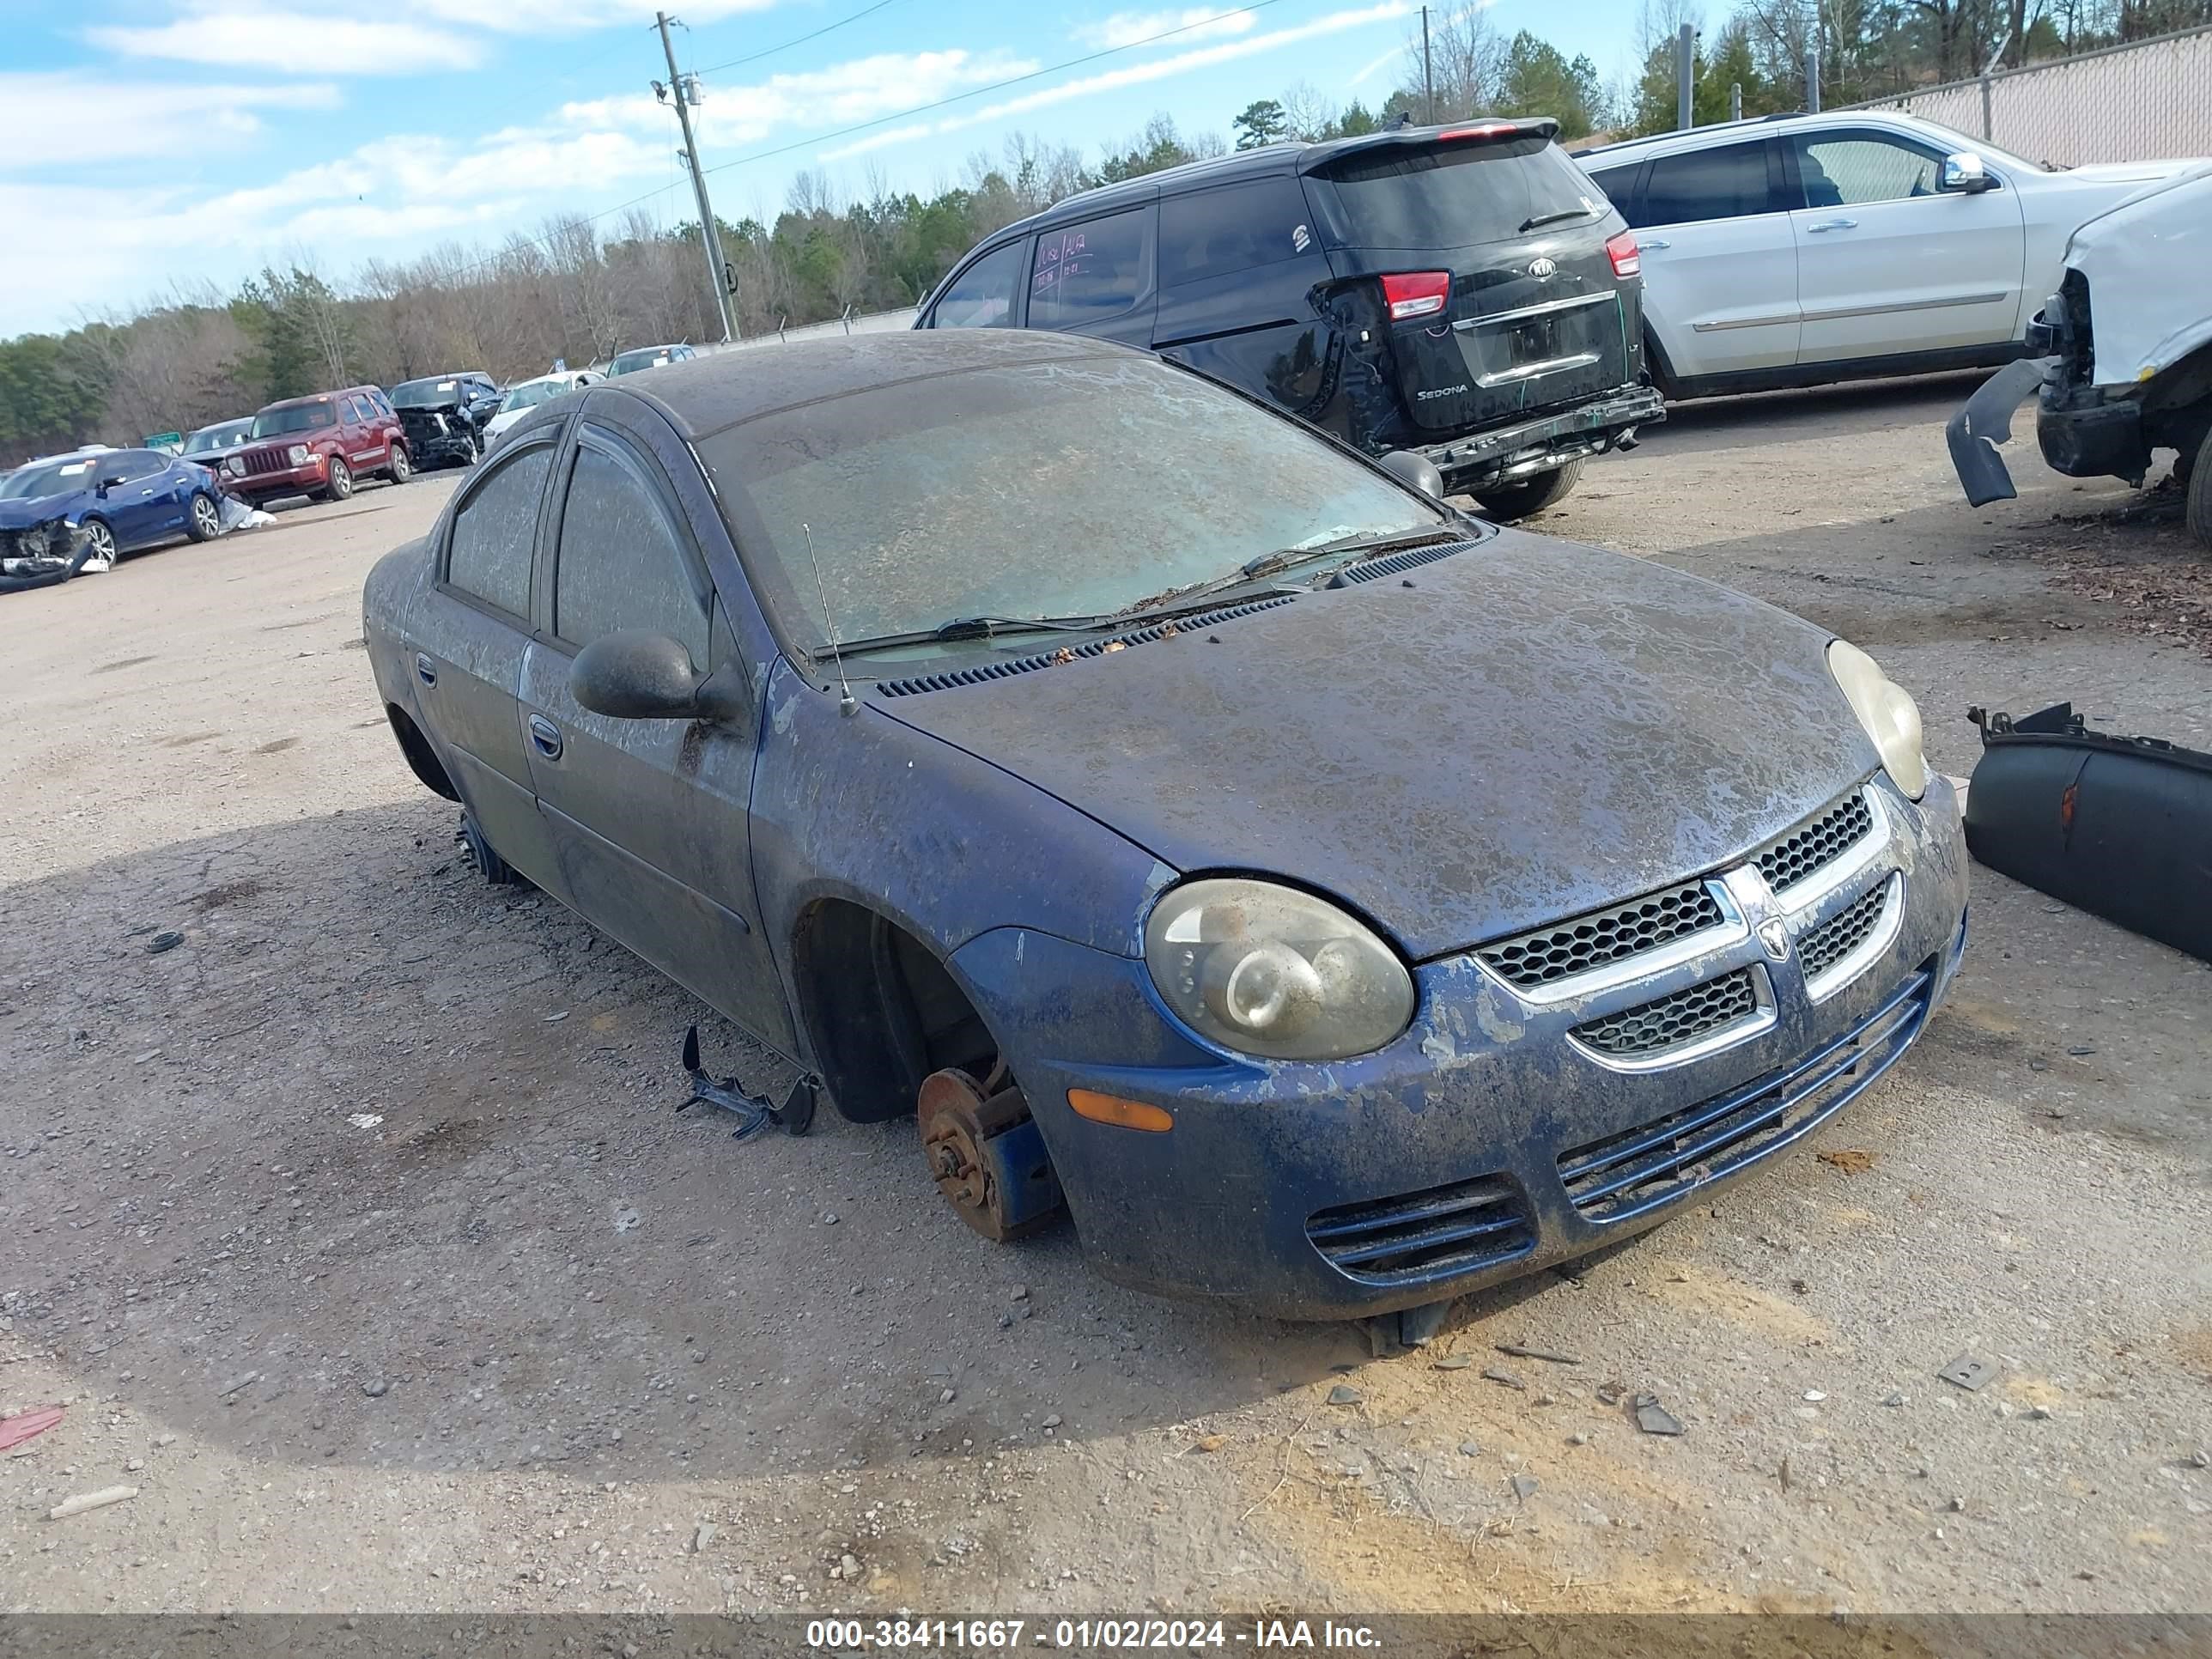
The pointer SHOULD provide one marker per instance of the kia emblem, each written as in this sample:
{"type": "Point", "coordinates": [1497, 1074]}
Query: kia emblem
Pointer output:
{"type": "Point", "coordinates": [1541, 269]}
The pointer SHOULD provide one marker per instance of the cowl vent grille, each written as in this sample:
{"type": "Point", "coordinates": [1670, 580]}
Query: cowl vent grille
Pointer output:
{"type": "Point", "coordinates": [1391, 563]}
{"type": "Point", "coordinates": [981, 673]}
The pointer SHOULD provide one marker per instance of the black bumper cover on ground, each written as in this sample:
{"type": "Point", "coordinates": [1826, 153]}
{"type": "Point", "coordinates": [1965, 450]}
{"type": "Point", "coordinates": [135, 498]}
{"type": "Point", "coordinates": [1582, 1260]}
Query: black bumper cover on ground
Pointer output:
{"type": "Point", "coordinates": [1507, 454]}
{"type": "Point", "coordinates": [2115, 825]}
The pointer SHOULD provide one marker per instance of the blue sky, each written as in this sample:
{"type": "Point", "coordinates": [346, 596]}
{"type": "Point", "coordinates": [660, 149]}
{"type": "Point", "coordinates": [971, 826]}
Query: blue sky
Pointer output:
{"type": "Point", "coordinates": [144, 146]}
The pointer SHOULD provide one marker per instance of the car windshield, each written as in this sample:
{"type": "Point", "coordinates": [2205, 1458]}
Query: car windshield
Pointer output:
{"type": "Point", "coordinates": [529, 394]}
{"type": "Point", "coordinates": [424, 394]}
{"type": "Point", "coordinates": [54, 478]}
{"type": "Point", "coordinates": [1071, 487]}
{"type": "Point", "coordinates": [1456, 195]}
{"type": "Point", "coordinates": [644, 357]}
{"type": "Point", "coordinates": [293, 418]}
{"type": "Point", "coordinates": [217, 437]}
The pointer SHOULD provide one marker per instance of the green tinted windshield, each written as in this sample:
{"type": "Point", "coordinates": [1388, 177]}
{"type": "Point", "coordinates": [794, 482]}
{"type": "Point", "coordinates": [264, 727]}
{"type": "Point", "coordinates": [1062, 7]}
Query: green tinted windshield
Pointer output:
{"type": "Point", "coordinates": [1076, 487]}
{"type": "Point", "coordinates": [529, 394]}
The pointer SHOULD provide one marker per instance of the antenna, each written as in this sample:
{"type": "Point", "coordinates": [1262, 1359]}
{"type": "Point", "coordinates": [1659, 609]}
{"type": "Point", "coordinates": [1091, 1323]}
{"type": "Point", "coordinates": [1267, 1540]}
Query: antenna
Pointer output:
{"type": "Point", "coordinates": [845, 703]}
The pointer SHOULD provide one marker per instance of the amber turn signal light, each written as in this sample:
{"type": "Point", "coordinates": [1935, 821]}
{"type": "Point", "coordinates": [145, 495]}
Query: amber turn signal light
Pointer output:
{"type": "Point", "coordinates": [1124, 1113]}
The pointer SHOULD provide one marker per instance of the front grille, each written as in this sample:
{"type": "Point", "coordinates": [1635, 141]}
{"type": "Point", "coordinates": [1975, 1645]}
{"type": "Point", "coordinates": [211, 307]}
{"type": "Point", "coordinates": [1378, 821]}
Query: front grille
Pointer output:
{"type": "Point", "coordinates": [1673, 1021]}
{"type": "Point", "coordinates": [1666, 1160]}
{"type": "Point", "coordinates": [1603, 936]}
{"type": "Point", "coordinates": [1436, 1233]}
{"type": "Point", "coordinates": [266, 460]}
{"type": "Point", "coordinates": [1834, 940]}
{"type": "Point", "coordinates": [1814, 846]}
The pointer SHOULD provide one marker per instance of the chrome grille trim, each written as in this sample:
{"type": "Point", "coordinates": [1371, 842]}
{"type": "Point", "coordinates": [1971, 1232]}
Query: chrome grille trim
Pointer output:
{"type": "Point", "coordinates": [1837, 866]}
{"type": "Point", "coordinates": [1869, 939]}
{"type": "Point", "coordinates": [1689, 900]}
{"type": "Point", "coordinates": [1760, 1019]}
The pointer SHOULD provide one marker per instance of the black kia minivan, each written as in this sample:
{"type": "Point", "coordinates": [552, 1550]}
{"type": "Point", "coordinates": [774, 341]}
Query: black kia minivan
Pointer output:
{"type": "Point", "coordinates": [1463, 292]}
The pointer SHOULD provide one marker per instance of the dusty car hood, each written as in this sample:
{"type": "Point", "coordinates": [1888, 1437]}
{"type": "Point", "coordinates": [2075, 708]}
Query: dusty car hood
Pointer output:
{"type": "Point", "coordinates": [1494, 740]}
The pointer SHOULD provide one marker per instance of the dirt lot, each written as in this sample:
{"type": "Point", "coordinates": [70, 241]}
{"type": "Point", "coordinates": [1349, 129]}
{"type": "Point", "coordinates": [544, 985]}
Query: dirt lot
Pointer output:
{"type": "Point", "coordinates": [357, 1231]}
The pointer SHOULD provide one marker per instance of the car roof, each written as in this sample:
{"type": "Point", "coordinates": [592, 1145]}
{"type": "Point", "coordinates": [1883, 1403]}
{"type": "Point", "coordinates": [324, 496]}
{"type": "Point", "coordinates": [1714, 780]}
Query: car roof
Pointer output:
{"type": "Point", "coordinates": [721, 389]}
{"type": "Point", "coordinates": [1666, 144]}
{"type": "Point", "coordinates": [1268, 160]}
{"type": "Point", "coordinates": [316, 398]}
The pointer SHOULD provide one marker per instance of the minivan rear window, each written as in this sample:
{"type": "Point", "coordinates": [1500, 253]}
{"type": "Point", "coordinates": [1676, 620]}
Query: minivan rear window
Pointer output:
{"type": "Point", "coordinates": [1456, 195]}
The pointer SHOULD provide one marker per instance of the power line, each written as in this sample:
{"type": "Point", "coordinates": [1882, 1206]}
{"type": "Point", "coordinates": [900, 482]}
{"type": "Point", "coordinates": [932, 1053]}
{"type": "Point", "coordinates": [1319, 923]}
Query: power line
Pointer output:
{"type": "Point", "coordinates": [884, 120]}
{"type": "Point", "coordinates": [995, 86]}
{"type": "Point", "coordinates": [800, 40]}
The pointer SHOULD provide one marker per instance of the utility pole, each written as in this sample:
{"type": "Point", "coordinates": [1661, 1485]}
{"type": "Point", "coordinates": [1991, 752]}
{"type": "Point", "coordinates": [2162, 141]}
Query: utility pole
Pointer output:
{"type": "Point", "coordinates": [1428, 79]}
{"type": "Point", "coordinates": [710, 237]}
{"type": "Point", "coordinates": [1685, 74]}
{"type": "Point", "coordinates": [1812, 79]}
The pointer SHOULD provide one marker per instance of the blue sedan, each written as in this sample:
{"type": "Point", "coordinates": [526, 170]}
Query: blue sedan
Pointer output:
{"type": "Point", "coordinates": [120, 500]}
{"type": "Point", "coordinates": [1333, 902]}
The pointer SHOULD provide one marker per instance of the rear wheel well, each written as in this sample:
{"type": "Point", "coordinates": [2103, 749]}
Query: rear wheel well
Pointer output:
{"type": "Point", "coordinates": [422, 759]}
{"type": "Point", "coordinates": [881, 1011]}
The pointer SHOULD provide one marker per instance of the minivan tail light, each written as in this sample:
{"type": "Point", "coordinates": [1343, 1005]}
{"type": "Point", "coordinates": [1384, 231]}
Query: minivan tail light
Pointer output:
{"type": "Point", "coordinates": [1416, 293]}
{"type": "Point", "coordinates": [1627, 257]}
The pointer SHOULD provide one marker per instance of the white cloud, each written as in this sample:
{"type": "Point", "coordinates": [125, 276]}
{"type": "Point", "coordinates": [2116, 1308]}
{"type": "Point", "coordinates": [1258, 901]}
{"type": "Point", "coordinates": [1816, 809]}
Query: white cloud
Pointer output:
{"type": "Point", "coordinates": [1139, 74]}
{"type": "Point", "coordinates": [573, 16]}
{"type": "Point", "coordinates": [260, 34]}
{"type": "Point", "coordinates": [48, 120]}
{"type": "Point", "coordinates": [859, 90]}
{"type": "Point", "coordinates": [1127, 28]}
{"type": "Point", "coordinates": [1382, 62]}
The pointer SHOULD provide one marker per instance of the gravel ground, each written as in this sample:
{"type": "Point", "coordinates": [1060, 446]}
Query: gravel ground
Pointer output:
{"type": "Point", "coordinates": [357, 1234]}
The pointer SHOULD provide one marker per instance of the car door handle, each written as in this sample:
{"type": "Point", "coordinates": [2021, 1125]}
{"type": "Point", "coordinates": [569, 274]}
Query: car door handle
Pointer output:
{"type": "Point", "coordinates": [1834, 224]}
{"type": "Point", "coordinates": [1652, 246]}
{"type": "Point", "coordinates": [146, 492]}
{"type": "Point", "coordinates": [425, 670]}
{"type": "Point", "coordinates": [546, 736]}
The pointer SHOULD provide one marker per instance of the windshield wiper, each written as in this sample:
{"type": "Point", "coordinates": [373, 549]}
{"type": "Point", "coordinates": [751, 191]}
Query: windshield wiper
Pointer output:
{"type": "Point", "coordinates": [969, 628]}
{"type": "Point", "coordinates": [1558, 218]}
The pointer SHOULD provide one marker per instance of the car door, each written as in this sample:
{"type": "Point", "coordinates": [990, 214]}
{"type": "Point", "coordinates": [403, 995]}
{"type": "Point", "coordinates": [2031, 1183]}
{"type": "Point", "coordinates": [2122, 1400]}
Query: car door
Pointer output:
{"type": "Point", "coordinates": [649, 817]}
{"type": "Point", "coordinates": [468, 659]}
{"type": "Point", "coordinates": [1237, 266]}
{"type": "Point", "coordinates": [1096, 276]}
{"type": "Point", "coordinates": [367, 443]}
{"type": "Point", "coordinates": [1719, 265]}
{"type": "Point", "coordinates": [1886, 263]}
{"type": "Point", "coordinates": [135, 498]}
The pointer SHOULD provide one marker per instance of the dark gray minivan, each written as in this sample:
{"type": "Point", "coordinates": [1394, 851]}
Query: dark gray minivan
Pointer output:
{"type": "Point", "coordinates": [1464, 292]}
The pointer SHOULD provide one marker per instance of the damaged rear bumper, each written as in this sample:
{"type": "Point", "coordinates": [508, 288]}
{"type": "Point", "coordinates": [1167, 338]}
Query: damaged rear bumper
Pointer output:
{"type": "Point", "coordinates": [1486, 1143]}
{"type": "Point", "coordinates": [1507, 454]}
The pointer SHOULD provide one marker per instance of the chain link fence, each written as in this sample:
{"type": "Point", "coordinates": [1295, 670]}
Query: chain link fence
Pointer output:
{"type": "Point", "coordinates": [2149, 100]}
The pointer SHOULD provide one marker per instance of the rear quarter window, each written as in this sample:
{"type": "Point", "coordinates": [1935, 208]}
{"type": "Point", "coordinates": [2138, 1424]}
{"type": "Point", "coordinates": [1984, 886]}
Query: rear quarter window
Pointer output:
{"type": "Point", "coordinates": [1219, 232]}
{"type": "Point", "coordinates": [1456, 195]}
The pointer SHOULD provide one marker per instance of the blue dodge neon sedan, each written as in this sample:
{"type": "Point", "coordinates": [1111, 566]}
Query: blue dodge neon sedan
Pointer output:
{"type": "Point", "coordinates": [1333, 902]}
{"type": "Point", "coordinates": [122, 500]}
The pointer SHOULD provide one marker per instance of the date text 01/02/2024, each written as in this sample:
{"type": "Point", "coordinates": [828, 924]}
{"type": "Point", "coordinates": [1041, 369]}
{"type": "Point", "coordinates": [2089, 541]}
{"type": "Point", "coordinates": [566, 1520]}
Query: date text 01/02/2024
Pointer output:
{"type": "Point", "coordinates": [1084, 1635]}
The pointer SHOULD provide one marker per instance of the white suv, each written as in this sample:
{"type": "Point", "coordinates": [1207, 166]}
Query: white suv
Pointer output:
{"type": "Point", "coordinates": [1799, 249]}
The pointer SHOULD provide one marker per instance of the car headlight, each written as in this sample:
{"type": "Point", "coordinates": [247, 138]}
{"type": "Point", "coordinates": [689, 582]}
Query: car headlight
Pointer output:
{"type": "Point", "coordinates": [1269, 970]}
{"type": "Point", "coordinates": [235, 466]}
{"type": "Point", "coordinates": [297, 454]}
{"type": "Point", "coordinates": [1891, 718]}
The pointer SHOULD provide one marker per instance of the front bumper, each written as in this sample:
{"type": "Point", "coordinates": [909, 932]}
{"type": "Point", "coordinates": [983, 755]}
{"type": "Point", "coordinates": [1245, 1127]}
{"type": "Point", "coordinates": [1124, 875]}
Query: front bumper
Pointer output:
{"type": "Point", "coordinates": [1507, 454]}
{"type": "Point", "coordinates": [1300, 1190]}
{"type": "Point", "coordinates": [440, 436]}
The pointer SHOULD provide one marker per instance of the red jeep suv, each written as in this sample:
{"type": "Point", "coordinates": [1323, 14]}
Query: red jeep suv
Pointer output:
{"type": "Point", "coordinates": [318, 446]}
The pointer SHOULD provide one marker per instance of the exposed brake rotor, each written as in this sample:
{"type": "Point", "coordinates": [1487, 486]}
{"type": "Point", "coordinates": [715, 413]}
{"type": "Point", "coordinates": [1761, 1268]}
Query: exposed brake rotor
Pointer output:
{"type": "Point", "coordinates": [985, 1154]}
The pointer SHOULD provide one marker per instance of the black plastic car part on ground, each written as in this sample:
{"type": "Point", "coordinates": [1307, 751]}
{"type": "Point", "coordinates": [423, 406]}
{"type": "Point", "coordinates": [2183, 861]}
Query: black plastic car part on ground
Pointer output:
{"type": "Point", "coordinates": [2118, 826]}
{"type": "Point", "coordinates": [1464, 293]}
{"type": "Point", "coordinates": [41, 555]}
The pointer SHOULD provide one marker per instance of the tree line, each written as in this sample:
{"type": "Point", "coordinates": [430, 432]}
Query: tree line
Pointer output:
{"type": "Point", "coordinates": [580, 292]}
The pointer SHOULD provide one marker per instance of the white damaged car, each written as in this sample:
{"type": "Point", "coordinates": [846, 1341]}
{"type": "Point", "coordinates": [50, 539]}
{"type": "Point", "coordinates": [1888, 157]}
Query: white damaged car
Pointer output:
{"type": "Point", "coordinates": [2122, 356]}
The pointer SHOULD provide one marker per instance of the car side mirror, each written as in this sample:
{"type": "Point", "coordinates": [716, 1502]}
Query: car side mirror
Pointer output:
{"type": "Point", "coordinates": [1965, 173]}
{"type": "Point", "coordinates": [632, 676]}
{"type": "Point", "coordinates": [1419, 470]}
{"type": "Point", "coordinates": [111, 481]}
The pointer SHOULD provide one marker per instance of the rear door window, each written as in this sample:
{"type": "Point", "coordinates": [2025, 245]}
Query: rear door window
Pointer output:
{"type": "Point", "coordinates": [623, 562]}
{"type": "Point", "coordinates": [1207, 234]}
{"type": "Point", "coordinates": [1851, 172]}
{"type": "Point", "coordinates": [1729, 181]}
{"type": "Point", "coordinates": [982, 296]}
{"type": "Point", "coordinates": [1454, 195]}
{"type": "Point", "coordinates": [1087, 274]}
{"type": "Point", "coordinates": [1619, 185]}
{"type": "Point", "coordinates": [494, 530]}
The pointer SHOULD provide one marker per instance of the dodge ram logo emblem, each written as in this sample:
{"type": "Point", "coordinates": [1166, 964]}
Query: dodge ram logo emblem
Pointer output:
{"type": "Point", "coordinates": [1541, 269]}
{"type": "Point", "coordinates": [1774, 938]}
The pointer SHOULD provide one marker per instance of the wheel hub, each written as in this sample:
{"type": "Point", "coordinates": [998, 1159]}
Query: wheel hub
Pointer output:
{"type": "Point", "coordinates": [995, 1188]}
